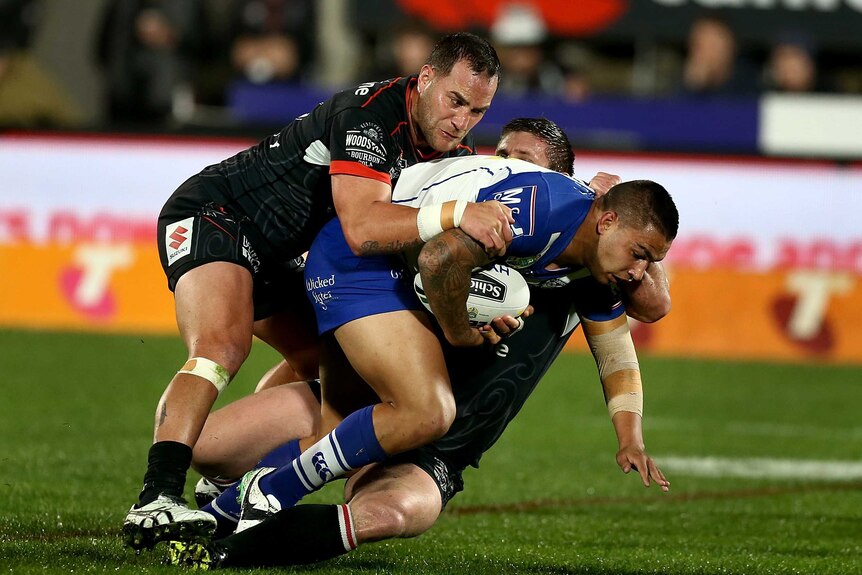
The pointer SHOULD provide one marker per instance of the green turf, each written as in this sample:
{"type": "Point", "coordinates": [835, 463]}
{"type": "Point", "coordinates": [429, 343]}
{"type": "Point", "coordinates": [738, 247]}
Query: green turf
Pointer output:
{"type": "Point", "coordinates": [76, 420]}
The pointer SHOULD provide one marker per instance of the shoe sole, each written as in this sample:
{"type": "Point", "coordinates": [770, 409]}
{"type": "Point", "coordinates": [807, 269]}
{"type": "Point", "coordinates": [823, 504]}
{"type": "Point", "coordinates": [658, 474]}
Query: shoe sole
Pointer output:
{"type": "Point", "coordinates": [192, 555]}
{"type": "Point", "coordinates": [139, 538]}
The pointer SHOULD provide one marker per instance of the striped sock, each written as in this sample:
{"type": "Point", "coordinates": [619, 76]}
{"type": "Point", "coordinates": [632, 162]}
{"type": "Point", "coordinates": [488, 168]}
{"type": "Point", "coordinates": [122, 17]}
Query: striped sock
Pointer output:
{"type": "Point", "coordinates": [349, 446]}
{"type": "Point", "coordinates": [225, 508]}
{"type": "Point", "coordinates": [345, 525]}
{"type": "Point", "coordinates": [293, 536]}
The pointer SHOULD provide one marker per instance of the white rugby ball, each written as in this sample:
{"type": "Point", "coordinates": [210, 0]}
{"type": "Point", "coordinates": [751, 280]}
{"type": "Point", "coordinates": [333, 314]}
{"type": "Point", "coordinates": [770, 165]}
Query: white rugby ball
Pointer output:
{"type": "Point", "coordinates": [494, 292]}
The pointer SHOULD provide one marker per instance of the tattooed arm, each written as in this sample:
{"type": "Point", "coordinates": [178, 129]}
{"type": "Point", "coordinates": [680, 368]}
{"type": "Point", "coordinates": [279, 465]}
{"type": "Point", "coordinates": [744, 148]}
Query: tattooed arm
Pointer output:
{"type": "Point", "coordinates": [445, 264]}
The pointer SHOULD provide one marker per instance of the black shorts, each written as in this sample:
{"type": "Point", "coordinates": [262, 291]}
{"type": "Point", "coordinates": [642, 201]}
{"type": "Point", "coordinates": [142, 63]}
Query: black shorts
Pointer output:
{"type": "Point", "coordinates": [490, 387]}
{"type": "Point", "coordinates": [440, 468]}
{"type": "Point", "coordinates": [194, 229]}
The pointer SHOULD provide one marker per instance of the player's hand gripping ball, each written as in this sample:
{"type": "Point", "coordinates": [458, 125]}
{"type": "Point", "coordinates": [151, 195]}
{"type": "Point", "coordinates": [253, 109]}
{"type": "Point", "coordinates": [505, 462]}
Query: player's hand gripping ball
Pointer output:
{"type": "Point", "coordinates": [494, 292]}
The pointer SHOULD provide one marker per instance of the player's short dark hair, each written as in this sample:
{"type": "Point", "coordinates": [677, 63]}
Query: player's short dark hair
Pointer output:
{"type": "Point", "coordinates": [642, 204]}
{"type": "Point", "coordinates": [478, 52]}
{"type": "Point", "coordinates": [561, 157]}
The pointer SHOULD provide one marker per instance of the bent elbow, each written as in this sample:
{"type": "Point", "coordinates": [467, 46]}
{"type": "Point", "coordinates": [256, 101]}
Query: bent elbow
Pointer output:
{"type": "Point", "coordinates": [355, 238]}
{"type": "Point", "coordinates": [654, 313]}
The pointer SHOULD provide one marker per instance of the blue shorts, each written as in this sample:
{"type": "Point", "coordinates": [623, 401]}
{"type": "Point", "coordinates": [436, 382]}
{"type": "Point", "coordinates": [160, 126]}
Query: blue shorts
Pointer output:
{"type": "Point", "coordinates": [343, 287]}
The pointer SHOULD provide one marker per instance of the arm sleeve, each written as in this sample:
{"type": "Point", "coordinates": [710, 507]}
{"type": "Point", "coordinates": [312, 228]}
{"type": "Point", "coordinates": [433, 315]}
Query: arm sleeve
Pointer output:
{"type": "Point", "coordinates": [597, 302]}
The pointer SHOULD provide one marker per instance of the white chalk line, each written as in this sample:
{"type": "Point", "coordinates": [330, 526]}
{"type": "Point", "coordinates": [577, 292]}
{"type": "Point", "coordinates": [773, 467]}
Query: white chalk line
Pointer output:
{"type": "Point", "coordinates": [763, 468]}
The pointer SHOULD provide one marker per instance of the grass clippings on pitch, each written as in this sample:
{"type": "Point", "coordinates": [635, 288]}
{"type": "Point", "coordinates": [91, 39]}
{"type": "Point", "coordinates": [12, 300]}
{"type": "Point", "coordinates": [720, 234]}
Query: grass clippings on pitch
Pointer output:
{"type": "Point", "coordinates": [76, 421]}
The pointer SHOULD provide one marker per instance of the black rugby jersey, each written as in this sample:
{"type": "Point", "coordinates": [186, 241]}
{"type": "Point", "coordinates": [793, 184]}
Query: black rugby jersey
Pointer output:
{"type": "Point", "coordinates": [282, 184]}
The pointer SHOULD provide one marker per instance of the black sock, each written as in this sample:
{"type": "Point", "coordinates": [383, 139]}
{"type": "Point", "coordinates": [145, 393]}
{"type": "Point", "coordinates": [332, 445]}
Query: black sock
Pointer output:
{"type": "Point", "coordinates": [293, 536]}
{"type": "Point", "coordinates": [167, 465]}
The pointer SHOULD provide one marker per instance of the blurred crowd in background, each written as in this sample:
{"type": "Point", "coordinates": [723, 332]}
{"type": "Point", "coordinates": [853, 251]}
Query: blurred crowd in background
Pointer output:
{"type": "Point", "coordinates": [171, 62]}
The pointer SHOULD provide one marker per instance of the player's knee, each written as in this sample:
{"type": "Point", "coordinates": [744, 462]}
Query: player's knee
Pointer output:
{"type": "Point", "coordinates": [229, 354]}
{"type": "Point", "coordinates": [435, 417]}
{"type": "Point", "coordinates": [382, 519]}
{"type": "Point", "coordinates": [206, 462]}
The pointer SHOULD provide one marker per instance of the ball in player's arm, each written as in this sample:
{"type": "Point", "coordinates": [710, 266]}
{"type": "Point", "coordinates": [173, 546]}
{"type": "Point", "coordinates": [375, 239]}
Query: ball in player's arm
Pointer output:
{"type": "Point", "coordinates": [230, 238]}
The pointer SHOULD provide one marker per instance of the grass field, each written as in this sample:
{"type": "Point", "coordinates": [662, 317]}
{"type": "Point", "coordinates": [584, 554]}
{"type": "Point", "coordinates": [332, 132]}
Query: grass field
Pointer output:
{"type": "Point", "coordinates": [783, 493]}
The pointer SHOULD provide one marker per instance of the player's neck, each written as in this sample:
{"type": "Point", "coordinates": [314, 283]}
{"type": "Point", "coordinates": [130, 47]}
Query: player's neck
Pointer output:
{"type": "Point", "coordinates": [412, 109]}
{"type": "Point", "coordinates": [583, 242]}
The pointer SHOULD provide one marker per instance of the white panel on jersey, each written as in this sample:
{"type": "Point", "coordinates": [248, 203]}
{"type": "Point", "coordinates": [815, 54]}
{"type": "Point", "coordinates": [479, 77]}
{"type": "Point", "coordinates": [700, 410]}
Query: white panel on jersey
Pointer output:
{"type": "Point", "coordinates": [459, 178]}
{"type": "Point", "coordinates": [317, 153]}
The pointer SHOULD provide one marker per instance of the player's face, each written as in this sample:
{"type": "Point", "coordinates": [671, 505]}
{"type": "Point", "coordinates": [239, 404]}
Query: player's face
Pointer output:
{"type": "Point", "coordinates": [524, 146]}
{"type": "Point", "coordinates": [623, 253]}
{"type": "Point", "coordinates": [449, 106]}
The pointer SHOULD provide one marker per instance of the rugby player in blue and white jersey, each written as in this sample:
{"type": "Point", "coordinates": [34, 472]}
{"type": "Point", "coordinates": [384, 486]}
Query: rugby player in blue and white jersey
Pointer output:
{"type": "Point", "coordinates": [607, 239]}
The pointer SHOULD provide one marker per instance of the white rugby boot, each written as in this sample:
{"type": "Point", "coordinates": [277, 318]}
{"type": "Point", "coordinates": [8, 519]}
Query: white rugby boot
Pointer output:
{"type": "Point", "coordinates": [165, 518]}
{"type": "Point", "coordinates": [255, 505]}
{"type": "Point", "coordinates": [207, 490]}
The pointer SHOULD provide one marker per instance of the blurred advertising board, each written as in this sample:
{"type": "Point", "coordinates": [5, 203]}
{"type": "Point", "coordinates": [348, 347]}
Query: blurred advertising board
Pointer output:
{"type": "Point", "coordinates": [767, 265]}
{"type": "Point", "coordinates": [768, 261]}
{"type": "Point", "coordinates": [830, 23]}
{"type": "Point", "coordinates": [78, 229]}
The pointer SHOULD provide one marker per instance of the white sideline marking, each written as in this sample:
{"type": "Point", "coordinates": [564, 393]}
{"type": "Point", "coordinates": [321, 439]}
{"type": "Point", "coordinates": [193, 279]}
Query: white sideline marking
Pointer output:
{"type": "Point", "coordinates": [769, 468]}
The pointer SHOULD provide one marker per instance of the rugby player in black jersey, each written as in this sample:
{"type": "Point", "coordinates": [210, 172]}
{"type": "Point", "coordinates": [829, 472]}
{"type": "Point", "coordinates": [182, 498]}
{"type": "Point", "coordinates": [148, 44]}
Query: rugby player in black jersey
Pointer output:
{"type": "Point", "coordinates": [231, 237]}
{"type": "Point", "coordinates": [403, 496]}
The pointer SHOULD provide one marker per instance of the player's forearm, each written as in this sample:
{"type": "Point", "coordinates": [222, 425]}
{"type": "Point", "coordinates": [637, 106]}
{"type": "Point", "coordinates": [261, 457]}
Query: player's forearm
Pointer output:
{"type": "Point", "coordinates": [445, 264]}
{"type": "Point", "coordinates": [647, 300]}
{"type": "Point", "coordinates": [616, 359]}
{"type": "Point", "coordinates": [382, 228]}
{"type": "Point", "coordinates": [629, 429]}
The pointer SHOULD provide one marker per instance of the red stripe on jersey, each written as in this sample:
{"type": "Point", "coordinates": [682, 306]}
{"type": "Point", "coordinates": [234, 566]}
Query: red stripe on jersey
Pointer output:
{"type": "Point", "coordinates": [468, 148]}
{"type": "Point", "coordinates": [348, 526]}
{"type": "Point", "coordinates": [377, 93]}
{"type": "Point", "coordinates": [230, 235]}
{"type": "Point", "coordinates": [357, 169]}
{"type": "Point", "coordinates": [434, 154]}
{"type": "Point", "coordinates": [407, 93]}
{"type": "Point", "coordinates": [397, 128]}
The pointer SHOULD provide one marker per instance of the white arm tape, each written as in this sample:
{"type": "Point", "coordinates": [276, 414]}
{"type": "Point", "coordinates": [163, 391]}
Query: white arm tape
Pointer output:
{"type": "Point", "coordinates": [428, 221]}
{"type": "Point", "coordinates": [614, 351]}
{"type": "Point", "coordinates": [460, 206]}
{"type": "Point", "coordinates": [632, 401]}
{"type": "Point", "coordinates": [209, 370]}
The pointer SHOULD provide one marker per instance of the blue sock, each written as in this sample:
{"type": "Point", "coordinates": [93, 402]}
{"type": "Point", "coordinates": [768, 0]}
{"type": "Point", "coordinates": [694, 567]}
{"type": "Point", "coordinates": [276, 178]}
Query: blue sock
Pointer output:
{"type": "Point", "coordinates": [225, 508]}
{"type": "Point", "coordinates": [349, 446]}
{"type": "Point", "coordinates": [281, 455]}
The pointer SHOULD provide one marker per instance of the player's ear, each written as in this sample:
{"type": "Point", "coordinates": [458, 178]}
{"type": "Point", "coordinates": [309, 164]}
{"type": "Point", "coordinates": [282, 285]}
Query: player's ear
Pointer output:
{"type": "Point", "coordinates": [606, 221]}
{"type": "Point", "coordinates": [426, 74]}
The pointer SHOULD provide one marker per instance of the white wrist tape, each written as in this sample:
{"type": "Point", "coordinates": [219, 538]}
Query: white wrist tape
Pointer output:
{"type": "Point", "coordinates": [632, 401]}
{"type": "Point", "coordinates": [209, 370]}
{"type": "Point", "coordinates": [428, 221]}
{"type": "Point", "coordinates": [460, 206]}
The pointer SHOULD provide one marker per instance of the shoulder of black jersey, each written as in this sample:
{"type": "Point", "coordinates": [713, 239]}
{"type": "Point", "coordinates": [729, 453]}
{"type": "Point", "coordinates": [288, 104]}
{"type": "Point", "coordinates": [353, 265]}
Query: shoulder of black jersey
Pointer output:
{"type": "Point", "coordinates": [377, 96]}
